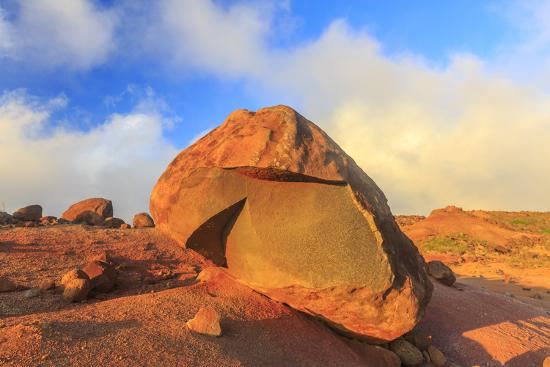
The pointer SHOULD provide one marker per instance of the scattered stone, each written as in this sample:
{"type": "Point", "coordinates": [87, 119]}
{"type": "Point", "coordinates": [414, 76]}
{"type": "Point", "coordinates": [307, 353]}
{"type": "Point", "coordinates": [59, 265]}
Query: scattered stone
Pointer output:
{"type": "Point", "coordinates": [143, 220]}
{"type": "Point", "coordinates": [125, 226]}
{"type": "Point", "coordinates": [101, 207]}
{"type": "Point", "coordinates": [206, 321]}
{"type": "Point", "coordinates": [46, 285]}
{"type": "Point", "coordinates": [76, 290]}
{"type": "Point", "coordinates": [113, 222]}
{"type": "Point", "coordinates": [101, 274]}
{"type": "Point", "coordinates": [537, 296]}
{"type": "Point", "coordinates": [28, 213]}
{"type": "Point", "coordinates": [31, 293]}
{"type": "Point", "coordinates": [7, 285]}
{"type": "Point", "coordinates": [149, 246]}
{"type": "Point", "coordinates": [407, 352]}
{"type": "Point", "coordinates": [441, 272]}
{"type": "Point", "coordinates": [526, 288]}
{"type": "Point", "coordinates": [73, 274]}
{"type": "Point", "coordinates": [436, 356]}
{"type": "Point", "coordinates": [502, 250]}
{"type": "Point", "coordinates": [275, 176]}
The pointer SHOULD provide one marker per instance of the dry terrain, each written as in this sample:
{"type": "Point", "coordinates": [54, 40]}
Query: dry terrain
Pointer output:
{"type": "Point", "coordinates": [142, 322]}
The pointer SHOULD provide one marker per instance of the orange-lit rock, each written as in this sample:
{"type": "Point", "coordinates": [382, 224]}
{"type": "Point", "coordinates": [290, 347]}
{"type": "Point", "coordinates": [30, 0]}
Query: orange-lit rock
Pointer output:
{"type": "Point", "coordinates": [102, 207]}
{"type": "Point", "coordinates": [270, 196]}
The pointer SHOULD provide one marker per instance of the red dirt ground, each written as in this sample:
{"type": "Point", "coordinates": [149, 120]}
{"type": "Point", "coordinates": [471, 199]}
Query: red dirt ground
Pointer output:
{"type": "Point", "coordinates": [142, 322]}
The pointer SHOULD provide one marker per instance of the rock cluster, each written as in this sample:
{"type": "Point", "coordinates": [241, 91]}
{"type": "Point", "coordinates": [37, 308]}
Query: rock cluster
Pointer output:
{"type": "Point", "coordinates": [271, 197]}
{"type": "Point", "coordinates": [415, 349]}
{"type": "Point", "coordinates": [96, 276]}
{"type": "Point", "coordinates": [94, 212]}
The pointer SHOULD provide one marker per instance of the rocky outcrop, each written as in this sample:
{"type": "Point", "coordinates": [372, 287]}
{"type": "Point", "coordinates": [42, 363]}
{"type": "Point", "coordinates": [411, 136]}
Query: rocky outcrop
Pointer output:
{"type": "Point", "coordinates": [81, 211]}
{"type": "Point", "coordinates": [143, 220]}
{"type": "Point", "coordinates": [28, 213]}
{"type": "Point", "coordinates": [271, 197]}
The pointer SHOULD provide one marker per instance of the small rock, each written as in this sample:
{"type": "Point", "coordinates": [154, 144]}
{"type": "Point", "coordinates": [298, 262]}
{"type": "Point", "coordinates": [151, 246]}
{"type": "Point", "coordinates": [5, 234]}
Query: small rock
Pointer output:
{"type": "Point", "coordinates": [125, 226]}
{"type": "Point", "coordinates": [536, 296]}
{"type": "Point", "coordinates": [436, 356]}
{"type": "Point", "coordinates": [441, 272]}
{"type": "Point", "coordinates": [526, 288]}
{"type": "Point", "coordinates": [73, 274]}
{"type": "Point", "coordinates": [76, 290]}
{"type": "Point", "coordinates": [206, 321]}
{"type": "Point", "coordinates": [143, 220]}
{"type": "Point", "coordinates": [419, 339]}
{"type": "Point", "coordinates": [7, 285]}
{"type": "Point", "coordinates": [46, 285]}
{"type": "Point", "coordinates": [101, 274]}
{"type": "Point", "coordinates": [407, 352]}
{"type": "Point", "coordinates": [31, 293]}
{"type": "Point", "coordinates": [113, 222]}
{"type": "Point", "coordinates": [31, 212]}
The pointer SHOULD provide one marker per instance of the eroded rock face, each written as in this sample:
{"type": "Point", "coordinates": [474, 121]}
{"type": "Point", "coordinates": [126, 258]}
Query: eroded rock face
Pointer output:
{"type": "Point", "coordinates": [83, 210]}
{"type": "Point", "coordinates": [271, 197]}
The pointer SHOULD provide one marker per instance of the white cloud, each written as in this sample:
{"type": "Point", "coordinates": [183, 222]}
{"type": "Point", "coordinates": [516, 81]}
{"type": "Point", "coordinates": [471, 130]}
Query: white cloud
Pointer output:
{"type": "Point", "coordinates": [199, 33]}
{"type": "Point", "coordinates": [5, 34]}
{"type": "Point", "coordinates": [120, 159]}
{"type": "Point", "coordinates": [466, 133]}
{"type": "Point", "coordinates": [73, 34]}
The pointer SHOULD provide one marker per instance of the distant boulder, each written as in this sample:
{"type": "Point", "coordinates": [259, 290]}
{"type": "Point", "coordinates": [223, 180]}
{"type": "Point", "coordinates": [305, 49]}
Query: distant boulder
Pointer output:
{"type": "Point", "coordinates": [5, 218]}
{"type": "Point", "coordinates": [102, 207]}
{"type": "Point", "coordinates": [143, 220]}
{"type": "Point", "coordinates": [31, 212]}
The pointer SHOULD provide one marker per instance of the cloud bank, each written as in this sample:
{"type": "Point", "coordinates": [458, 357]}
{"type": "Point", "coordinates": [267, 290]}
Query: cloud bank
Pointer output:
{"type": "Point", "coordinates": [73, 34]}
{"type": "Point", "coordinates": [473, 132]}
{"type": "Point", "coordinates": [119, 159]}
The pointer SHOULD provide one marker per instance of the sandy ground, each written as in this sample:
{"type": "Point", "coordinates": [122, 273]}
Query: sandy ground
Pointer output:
{"type": "Point", "coordinates": [142, 322]}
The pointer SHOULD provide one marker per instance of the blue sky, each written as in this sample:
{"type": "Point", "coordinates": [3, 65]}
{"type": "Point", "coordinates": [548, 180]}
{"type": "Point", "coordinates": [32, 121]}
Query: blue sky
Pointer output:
{"type": "Point", "coordinates": [425, 95]}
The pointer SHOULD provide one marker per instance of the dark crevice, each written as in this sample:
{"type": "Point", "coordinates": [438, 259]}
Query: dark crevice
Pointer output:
{"type": "Point", "coordinates": [280, 175]}
{"type": "Point", "coordinates": [210, 238]}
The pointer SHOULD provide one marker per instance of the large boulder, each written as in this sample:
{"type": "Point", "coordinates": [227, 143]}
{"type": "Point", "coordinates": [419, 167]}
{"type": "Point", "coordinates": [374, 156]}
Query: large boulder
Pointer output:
{"type": "Point", "coordinates": [89, 210]}
{"type": "Point", "coordinates": [28, 213]}
{"type": "Point", "coordinates": [271, 197]}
